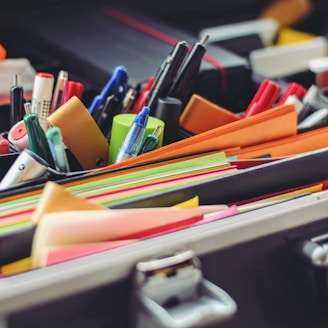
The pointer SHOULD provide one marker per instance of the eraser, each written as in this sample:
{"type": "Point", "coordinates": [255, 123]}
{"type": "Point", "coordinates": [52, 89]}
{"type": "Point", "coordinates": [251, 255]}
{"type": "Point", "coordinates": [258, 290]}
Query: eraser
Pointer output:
{"type": "Point", "coordinates": [201, 115]}
{"type": "Point", "coordinates": [17, 136]}
{"type": "Point", "coordinates": [81, 134]}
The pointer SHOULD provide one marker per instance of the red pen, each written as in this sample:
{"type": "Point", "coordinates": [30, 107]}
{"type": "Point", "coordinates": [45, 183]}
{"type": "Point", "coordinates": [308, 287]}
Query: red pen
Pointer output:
{"type": "Point", "coordinates": [72, 88]}
{"type": "Point", "coordinates": [142, 99]}
{"type": "Point", "coordinates": [293, 89]}
{"type": "Point", "coordinates": [265, 98]}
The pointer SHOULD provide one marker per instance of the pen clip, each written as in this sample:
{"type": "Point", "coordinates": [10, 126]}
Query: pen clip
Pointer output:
{"type": "Point", "coordinates": [117, 86]}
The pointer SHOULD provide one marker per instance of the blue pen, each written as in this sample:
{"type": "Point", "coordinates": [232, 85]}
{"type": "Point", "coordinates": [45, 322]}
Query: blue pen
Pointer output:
{"type": "Point", "coordinates": [117, 86]}
{"type": "Point", "coordinates": [133, 140]}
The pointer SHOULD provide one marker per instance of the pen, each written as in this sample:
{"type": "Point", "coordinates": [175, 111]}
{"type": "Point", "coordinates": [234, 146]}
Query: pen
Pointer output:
{"type": "Point", "coordinates": [166, 74]}
{"type": "Point", "coordinates": [143, 96]}
{"type": "Point", "coordinates": [187, 74]}
{"type": "Point", "coordinates": [16, 101]}
{"type": "Point", "coordinates": [111, 108]}
{"type": "Point", "coordinates": [42, 96]}
{"type": "Point", "coordinates": [314, 119]}
{"type": "Point", "coordinates": [133, 140]}
{"type": "Point", "coordinates": [312, 101]}
{"type": "Point", "coordinates": [129, 100]}
{"type": "Point", "coordinates": [151, 141]}
{"type": "Point", "coordinates": [59, 87]}
{"type": "Point", "coordinates": [36, 136]}
{"type": "Point", "coordinates": [117, 85]}
{"type": "Point", "coordinates": [57, 149]}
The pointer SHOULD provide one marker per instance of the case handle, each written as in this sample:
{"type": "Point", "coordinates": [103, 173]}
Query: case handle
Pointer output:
{"type": "Point", "coordinates": [314, 251]}
{"type": "Point", "coordinates": [171, 292]}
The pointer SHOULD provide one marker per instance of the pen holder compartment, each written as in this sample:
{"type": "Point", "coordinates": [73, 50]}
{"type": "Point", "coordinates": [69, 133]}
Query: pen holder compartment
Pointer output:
{"type": "Point", "coordinates": [121, 125]}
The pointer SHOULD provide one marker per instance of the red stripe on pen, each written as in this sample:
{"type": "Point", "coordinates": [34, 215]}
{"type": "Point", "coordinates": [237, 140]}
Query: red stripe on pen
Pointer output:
{"type": "Point", "coordinates": [157, 34]}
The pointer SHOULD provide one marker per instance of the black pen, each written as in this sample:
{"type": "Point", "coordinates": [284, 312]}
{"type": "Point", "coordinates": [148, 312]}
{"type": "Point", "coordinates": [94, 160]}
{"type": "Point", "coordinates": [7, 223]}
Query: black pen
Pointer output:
{"type": "Point", "coordinates": [16, 101]}
{"type": "Point", "coordinates": [185, 79]}
{"type": "Point", "coordinates": [166, 74]}
{"type": "Point", "coordinates": [111, 107]}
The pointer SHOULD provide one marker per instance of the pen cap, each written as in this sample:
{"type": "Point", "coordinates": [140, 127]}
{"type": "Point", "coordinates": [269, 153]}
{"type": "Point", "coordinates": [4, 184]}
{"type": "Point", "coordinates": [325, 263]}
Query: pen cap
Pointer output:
{"type": "Point", "coordinates": [81, 134]}
{"type": "Point", "coordinates": [72, 88]}
{"type": "Point", "coordinates": [4, 146]}
{"type": "Point", "coordinates": [37, 138]}
{"type": "Point", "coordinates": [121, 127]}
{"type": "Point", "coordinates": [168, 109]}
{"type": "Point", "coordinates": [27, 166]}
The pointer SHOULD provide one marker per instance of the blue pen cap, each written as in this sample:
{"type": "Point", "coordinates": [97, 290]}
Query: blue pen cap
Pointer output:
{"type": "Point", "coordinates": [142, 117]}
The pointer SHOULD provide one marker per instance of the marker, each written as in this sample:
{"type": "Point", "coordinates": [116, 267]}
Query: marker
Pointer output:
{"type": "Point", "coordinates": [265, 98]}
{"type": "Point", "coordinates": [36, 136]}
{"type": "Point", "coordinates": [57, 148]}
{"type": "Point", "coordinates": [133, 140]}
{"type": "Point", "coordinates": [42, 97]}
{"type": "Point", "coordinates": [187, 74]}
{"type": "Point", "coordinates": [111, 108]}
{"type": "Point", "coordinates": [57, 95]}
{"type": "Point", "coordinates": [151, 141]}
{"type": "Point", "coordinates": [16, 101]}
{"type": "Point", "coordinates": [166, 74]}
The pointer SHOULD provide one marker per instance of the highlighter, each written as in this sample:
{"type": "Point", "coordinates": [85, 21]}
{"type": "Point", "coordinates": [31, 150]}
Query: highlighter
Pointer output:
{"type": "Point", "coordinates": [57, 148]}
{"type": "Point", "coordinates": [42, 96]}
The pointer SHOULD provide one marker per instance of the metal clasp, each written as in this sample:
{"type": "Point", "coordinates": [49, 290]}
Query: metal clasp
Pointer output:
{"type": "Point", "coordinates": [170, 291]}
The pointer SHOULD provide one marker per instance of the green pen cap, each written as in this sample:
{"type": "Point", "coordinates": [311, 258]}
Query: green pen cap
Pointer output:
{"type": "Point", "coordinates": [37, 139]}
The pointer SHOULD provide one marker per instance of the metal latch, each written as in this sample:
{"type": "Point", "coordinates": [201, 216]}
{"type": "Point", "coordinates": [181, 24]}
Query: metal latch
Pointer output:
{"type": "Point", "coordinates": [314, 251]}
{"type": "Point", "coordinates": [170, 291]}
